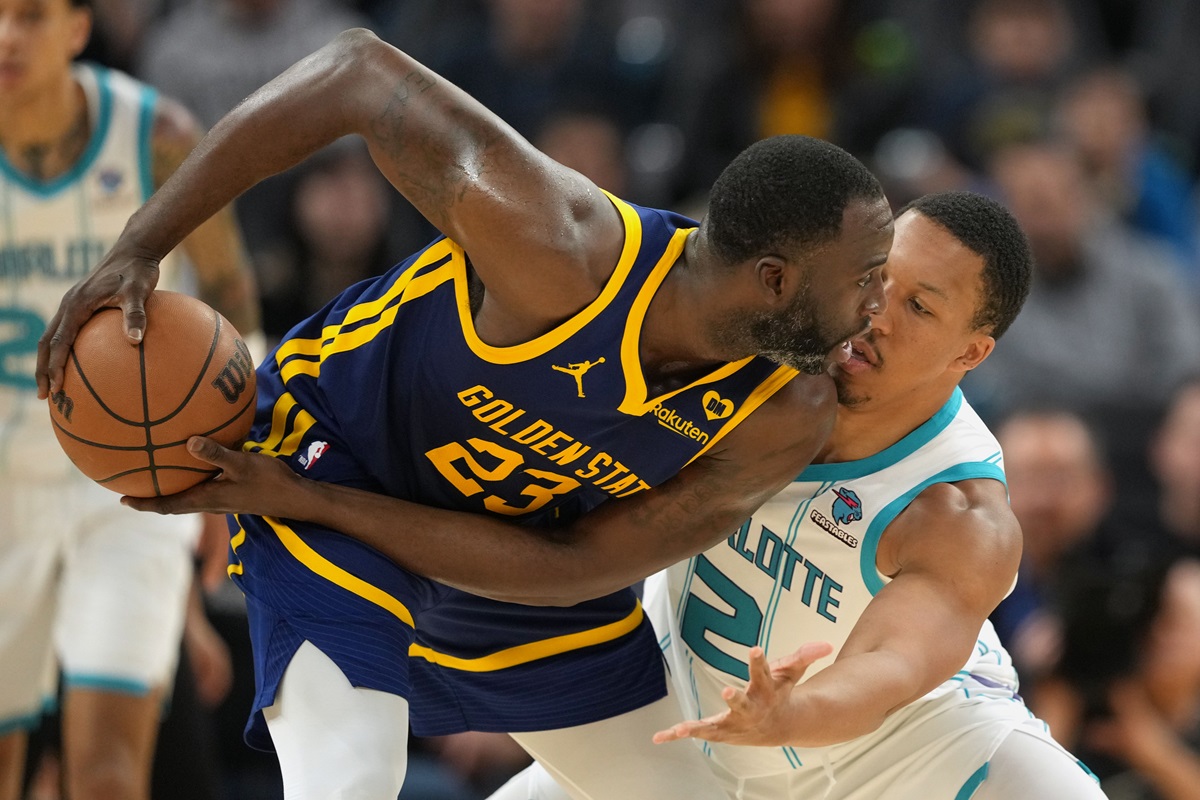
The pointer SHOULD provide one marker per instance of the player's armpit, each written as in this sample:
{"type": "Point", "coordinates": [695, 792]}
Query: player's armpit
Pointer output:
{"type": "Point", "coordinates": [613, 547]}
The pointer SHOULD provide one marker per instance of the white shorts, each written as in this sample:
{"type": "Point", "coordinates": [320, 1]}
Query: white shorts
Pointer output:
{"type": "Point", "coordinates": [100, 586]}
{"type": "Point", "coordinates": [931, 750]}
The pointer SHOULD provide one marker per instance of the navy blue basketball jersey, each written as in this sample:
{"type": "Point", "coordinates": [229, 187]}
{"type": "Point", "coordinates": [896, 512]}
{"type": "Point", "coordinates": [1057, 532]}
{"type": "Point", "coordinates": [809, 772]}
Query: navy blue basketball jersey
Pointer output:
{"type": "Point", "coordinates": [389, 388]}
{"type": "Point", "coordinates": [541, 431]}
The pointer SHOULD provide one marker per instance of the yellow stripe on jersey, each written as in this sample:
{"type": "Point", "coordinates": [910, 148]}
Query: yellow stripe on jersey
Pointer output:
{"type": "Point", "coordinates": [334, 339]}
{"type": "Point", "coordinates": [503, 659]}
{"type": "Point", "coordinates": [234, 544]}
{"type": "Point", "coordinates": [283, 437]}
{"type": "Point", "coordinates": [335, 574]}
{"type": "Point", "coordinates": [774, 382]}
{"type": "Point", "coordinates": [534, 651]}
{"type": "Point", "coordinates": [636, 402]}
{"type": "Point", "coordinates": [551, 339]}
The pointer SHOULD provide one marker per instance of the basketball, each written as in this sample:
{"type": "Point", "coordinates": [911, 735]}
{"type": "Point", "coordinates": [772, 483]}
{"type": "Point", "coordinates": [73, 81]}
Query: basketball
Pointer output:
{"type": "Point", "coordinates": [125, 412]}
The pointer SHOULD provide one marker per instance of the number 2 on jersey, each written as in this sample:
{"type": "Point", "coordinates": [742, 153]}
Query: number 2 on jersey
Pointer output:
{"type": "Point", "coordinates": [742, 627]}
{"type": "Point", "coordinates": [448, 457]}
{"type": "Point", "coordinates": [19, 332]}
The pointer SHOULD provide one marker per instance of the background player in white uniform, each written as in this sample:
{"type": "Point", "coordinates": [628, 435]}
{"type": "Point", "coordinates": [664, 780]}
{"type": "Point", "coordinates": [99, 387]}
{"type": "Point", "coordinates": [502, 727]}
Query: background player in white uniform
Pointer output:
{"type": "Point", "coordinates": [81, 148]}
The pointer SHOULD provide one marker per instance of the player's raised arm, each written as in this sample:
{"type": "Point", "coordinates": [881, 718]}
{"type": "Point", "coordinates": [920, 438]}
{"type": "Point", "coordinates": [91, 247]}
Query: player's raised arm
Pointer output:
{"type": "Point", "coordinates": [522, 218]}
{"type": "Point", "coordinates": [608, 549]}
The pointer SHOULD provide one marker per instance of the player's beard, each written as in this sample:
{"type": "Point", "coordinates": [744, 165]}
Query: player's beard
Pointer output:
{"type": "Point", "coordinates": [794, 337]}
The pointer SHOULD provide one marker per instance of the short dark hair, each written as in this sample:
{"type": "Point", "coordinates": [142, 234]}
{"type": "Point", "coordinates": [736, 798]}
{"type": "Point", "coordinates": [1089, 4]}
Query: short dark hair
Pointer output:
{"type": "Point", "coordinates": [989, 230]}
{"type": "Point", "coordinates": [784, 191]}
{"type": "Point", "coordinates": [81, 4]}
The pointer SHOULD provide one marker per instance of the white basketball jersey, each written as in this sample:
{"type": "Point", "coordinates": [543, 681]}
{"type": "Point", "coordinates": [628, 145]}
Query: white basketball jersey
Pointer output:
{"type": "Point", "coordinates": [54, 232]}
{"type": "Point", "coordinates": [803, 569]}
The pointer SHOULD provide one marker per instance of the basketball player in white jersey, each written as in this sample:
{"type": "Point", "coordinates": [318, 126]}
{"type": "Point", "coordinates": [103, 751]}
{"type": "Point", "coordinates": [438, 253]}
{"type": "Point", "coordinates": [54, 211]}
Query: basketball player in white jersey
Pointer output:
{"type": "Point", "coordinates": [872, 575]}
{"type": "Point", "coordinates": [81, 148]}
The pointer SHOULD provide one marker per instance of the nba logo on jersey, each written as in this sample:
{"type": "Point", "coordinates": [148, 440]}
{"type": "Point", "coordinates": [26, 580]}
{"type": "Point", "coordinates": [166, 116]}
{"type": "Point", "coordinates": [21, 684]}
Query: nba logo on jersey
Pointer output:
{"type": "Point", "coordinates": [315, 451]}
{"type": "Point", "coordinates": [846, 507]}
{"type": "Point", "coordinates": [110, 186]}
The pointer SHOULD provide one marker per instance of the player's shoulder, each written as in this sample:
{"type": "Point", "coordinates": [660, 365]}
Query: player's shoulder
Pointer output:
{"type": "Point", "coordinates": [969, 519]}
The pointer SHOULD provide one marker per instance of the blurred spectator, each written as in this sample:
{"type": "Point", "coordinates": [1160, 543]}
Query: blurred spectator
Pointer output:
{"type": "Point", "coordinates": [1061, 492]}
{"type": "Point", "coordinates": [813, 67]}
{"type": "Point", "coordinates": [211, 54]}
{"type": "Point", "coordinates": [1106, 331]}
{"type": "Point", "coordinates": [1126, 696]}
{"type": "Point", "coordinates": [1104, 116]}
{"type": "Point", "coordinates": [1019, 53]}
{"type": "Point", "coordinates": [533, 55]}
{"type": "Point", "coordinates": [1163, 56]}
{"type": "Point", "coordinates": [590, 143]}
{"type": "Point", "coordinates": [345, 224]}
{"type": "Point", "coordinates": [1175, 461]}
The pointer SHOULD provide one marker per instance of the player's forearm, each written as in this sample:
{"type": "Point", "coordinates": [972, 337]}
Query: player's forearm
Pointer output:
{"type": "Point", "coordinates": [850, 698]}
{"type": "Point", "coordinates": [479, 554]}
{"type": "Point", "coordinates": [307, 107]}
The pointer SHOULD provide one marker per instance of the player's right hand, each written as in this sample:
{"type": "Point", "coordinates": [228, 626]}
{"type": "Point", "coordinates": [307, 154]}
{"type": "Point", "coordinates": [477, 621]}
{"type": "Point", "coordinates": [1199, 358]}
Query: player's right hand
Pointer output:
{"type": "Point", "coordinates": [118, 282]}
{"type": "Point", "coordinates": [249, 483]}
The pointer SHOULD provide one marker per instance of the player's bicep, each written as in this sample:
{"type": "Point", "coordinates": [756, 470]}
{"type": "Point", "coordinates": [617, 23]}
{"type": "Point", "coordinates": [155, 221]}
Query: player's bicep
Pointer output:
{"type": "Point", "coordinates": [957, 549]}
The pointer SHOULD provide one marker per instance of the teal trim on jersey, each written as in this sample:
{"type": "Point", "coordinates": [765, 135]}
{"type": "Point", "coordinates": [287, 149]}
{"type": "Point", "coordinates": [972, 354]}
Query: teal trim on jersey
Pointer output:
{"type": "Point", "coordinates": [923, 435]}
{"type": "Point", "coordinates": [973, 783]}
{"type": "Point", "coordinates": [959, 472]}
{"type": "Point", "coordinates": [25, 722]}
{"type": "Point", "coordinates": [105, 683]}
{"type": "Point", "coordinates": [49, 188]}
{"type": "Point", "coordinates": [1084, 767]}
{"type": "Point", "coordinates": [793, 759]}
{"type": "Point", "coordinates": [145, 146]}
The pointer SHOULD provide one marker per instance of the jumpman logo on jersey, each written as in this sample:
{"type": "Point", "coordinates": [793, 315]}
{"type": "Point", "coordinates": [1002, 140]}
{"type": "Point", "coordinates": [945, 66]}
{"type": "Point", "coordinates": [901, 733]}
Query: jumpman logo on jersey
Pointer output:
{"type": "Point", "coordinates": [577, 371]}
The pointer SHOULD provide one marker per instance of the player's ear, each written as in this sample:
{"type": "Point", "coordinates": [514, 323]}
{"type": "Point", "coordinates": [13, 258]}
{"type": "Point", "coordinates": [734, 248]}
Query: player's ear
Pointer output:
{"type": "Point", "coordinates": [977, 350]}
{"type": "Point", "coordinates": [81, 29]}
{"type": "Point", "coordinates": [771, 272]}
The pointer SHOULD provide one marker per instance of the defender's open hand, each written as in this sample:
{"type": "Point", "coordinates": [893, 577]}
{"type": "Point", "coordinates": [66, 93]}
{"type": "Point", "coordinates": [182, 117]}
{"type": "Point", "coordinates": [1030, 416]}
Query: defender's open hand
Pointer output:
{"type": "Point", "coordinates": [248, 484]}
{"type": "Point", "coordinates": [758, 715]}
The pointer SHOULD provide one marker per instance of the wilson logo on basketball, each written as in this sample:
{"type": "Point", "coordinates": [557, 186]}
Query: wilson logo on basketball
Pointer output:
{"type": "Point", "coordinates": [231, 381]}
{"type": "Point", "coordinates": [64, 404]}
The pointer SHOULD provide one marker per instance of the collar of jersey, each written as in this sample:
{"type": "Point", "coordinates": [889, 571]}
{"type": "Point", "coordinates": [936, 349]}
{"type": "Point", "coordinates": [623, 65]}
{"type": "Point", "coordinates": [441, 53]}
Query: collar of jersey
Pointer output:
{"type": "Point", "coordinates": [636, 401]}
{"type": "Point", "coordinates": [556, 336]}
{"type": "Point", "coordinates": [921, 436]}
{"type": "Point", "coordinates": [99, 132]}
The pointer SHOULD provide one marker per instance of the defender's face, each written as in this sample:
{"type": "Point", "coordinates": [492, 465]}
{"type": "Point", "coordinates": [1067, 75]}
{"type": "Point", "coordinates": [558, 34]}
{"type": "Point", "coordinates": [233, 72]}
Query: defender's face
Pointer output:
{"type": "Point", "coordinates": [837, 288]}
{"type": "Point", "coordinates": [934, 287]}
{"type": "Point", "coordinates": [38, 41]}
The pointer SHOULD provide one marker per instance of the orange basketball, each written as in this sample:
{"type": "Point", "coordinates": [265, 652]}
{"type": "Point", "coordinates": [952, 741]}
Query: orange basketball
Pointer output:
{"type": "Point", "coordinates": [125, 412]}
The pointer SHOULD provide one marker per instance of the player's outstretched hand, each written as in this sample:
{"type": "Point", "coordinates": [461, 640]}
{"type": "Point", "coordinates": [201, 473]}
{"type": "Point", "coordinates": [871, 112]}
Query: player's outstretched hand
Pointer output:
{"type": "Point", "coordinates": [760, 714]}
{"type": "Point", "coordinates": [248, 484]}
{"type": "Point", "coordinates": [118, 282]}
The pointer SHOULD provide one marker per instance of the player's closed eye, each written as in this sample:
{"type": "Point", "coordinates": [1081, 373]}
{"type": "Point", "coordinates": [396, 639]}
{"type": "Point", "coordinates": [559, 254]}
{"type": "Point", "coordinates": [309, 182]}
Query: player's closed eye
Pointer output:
{"type": "Point", "coordinates": [920, 309]}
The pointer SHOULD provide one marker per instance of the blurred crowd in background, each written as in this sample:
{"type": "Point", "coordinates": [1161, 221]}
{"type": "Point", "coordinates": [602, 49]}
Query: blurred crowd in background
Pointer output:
{"type": "Point", "coordinates": [1082, 116]}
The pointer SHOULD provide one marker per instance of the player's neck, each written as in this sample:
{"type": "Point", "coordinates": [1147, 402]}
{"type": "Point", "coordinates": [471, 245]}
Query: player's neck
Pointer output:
{"type": "Point", "coordinates": [44, 136]}
{"type": "Point", "coordinates": [676, 331]}
{"type": "Point", "coordinates": [861, 430]}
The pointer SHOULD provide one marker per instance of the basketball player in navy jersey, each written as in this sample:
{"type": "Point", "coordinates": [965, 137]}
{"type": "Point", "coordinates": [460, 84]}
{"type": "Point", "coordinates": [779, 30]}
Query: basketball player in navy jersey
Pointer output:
{"type": "Point", "coordinates": [871, 574]}
{"type": "Point", "coordinates": [558, 349]}
{"type": "Point", "coordinates": [81, 147]}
